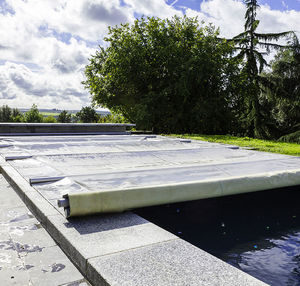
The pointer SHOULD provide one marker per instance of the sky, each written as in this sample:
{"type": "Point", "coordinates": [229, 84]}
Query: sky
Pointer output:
{"type": "Point", "coordinates": [45, 44]}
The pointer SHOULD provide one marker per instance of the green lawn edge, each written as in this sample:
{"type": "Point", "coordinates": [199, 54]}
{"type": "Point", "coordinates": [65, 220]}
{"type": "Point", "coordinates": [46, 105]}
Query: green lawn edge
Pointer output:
{"type": "Point", "coordinates": [292, 149]}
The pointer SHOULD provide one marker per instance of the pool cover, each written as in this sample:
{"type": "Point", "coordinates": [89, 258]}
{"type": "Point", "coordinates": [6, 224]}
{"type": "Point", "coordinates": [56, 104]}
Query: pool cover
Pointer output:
{"type": "Point", "coordinates": [113, 173]}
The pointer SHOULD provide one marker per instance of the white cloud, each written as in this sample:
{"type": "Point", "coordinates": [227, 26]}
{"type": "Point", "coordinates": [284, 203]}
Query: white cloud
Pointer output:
{"type": "Point", "coordinates": [21, 87]}
{"type": "Point", "coordinates": [226, 14]}
{"type": "Point", "coordinates": [229, 16]}
{"type": "Point", "coordinates": [88, 19]}
{"type": "Point", "coordinates": [158, 8]}
{"type": "Point", "coordinates": [279, 21]}
{"type": "Point", "coordinates": [101, 12]}
{"type": "Point", "coordinates": [45, 46]}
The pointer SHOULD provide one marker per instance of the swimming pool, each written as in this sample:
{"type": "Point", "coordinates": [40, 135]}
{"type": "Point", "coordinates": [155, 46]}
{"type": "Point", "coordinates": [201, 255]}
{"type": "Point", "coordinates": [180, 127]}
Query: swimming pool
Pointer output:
{"type": "Point", "coordinates": [258, 233]}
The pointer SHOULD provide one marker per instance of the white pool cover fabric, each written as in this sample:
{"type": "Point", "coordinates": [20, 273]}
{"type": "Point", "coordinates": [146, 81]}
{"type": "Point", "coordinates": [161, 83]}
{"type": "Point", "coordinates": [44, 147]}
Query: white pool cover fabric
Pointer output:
{"type": "Point", "coordinates": [112, 173]}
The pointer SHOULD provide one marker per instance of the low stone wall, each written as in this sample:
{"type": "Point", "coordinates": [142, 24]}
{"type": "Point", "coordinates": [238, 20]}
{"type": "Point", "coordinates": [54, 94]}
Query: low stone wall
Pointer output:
{"type": "Point", "coordinates": [62, 128]}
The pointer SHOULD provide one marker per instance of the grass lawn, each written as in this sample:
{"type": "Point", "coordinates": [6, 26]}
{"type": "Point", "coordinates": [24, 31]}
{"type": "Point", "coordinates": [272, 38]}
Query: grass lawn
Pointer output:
{"type": "Point", "coordinates": [255, 144]}
{"type": "Point", "coordinates": [50, 113]}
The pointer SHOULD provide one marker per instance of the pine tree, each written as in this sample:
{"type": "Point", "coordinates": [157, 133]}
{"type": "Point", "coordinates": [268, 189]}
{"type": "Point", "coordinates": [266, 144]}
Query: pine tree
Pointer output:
{"type": "Point", "coordinates": [252, 46]}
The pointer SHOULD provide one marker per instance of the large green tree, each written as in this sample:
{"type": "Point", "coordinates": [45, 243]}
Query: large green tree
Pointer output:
{"type": "Point", "coordinates": [87, 114]}
{"type": "Point", "coordinates": [33, 115]}
{"type": "Point", "coordinates": [252, 46]}
{"type": "Point", "coordinates": [166, 75]}
{"type": "Point", "coordinates": [64, 117]}
{"type": "Point", "coordinates": [8, 114]}
{"type": "Point", "coordinates": [5, 113]}
{"type": "Point", "coordinates": [284, 93]}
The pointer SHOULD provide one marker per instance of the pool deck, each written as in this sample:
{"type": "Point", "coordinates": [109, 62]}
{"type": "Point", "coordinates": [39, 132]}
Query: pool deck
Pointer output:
{"type": "Point", "coordinates": [120, 249]}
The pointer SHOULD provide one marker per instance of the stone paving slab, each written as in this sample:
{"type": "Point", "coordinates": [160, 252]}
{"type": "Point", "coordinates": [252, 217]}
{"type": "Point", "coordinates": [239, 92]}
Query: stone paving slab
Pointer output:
{"type": "Point", "coordinates": [50, 267]}
{"type": "Point", "coordinates": [11, 200]}
{"type": "Point", "coordinates": [100, 235]}
{"type": "Point", "coordinates": [12, 214]}
{"type": "Point", "coordinates": [28, 255]}
{"type": "Point", "coordinates": [170, 263]}
{"type": "Point", "coordinates": [33, 199]}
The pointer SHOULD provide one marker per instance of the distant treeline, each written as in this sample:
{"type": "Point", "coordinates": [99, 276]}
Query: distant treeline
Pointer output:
{"type": "Point", "coordinates": [87, 114]}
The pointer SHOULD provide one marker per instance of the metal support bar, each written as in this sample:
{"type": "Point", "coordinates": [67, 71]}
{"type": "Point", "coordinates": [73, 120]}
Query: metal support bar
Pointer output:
{"type": "Point", "coordinates": [147, 137]}
{"type": "Point", "coordinates": [5, 145]}
{"type": "Point", "coordinates": [233, 147]}
{"type": "Point", "coordinates": [44, 180]}
{"type": "Point", "coordinates": [185, 140]}
{"type": "Point", "coordinates": [150, 136]}
{"type": "Point", "coordinates": [21, 157]}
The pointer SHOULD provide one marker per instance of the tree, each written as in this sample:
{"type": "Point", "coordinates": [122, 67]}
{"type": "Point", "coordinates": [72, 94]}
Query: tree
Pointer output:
{"type": "Point", "coordinates": [249, 44]}
{"type": "Point", "coordinates": [74, 118]}
{"type": "Point", "coordinates": [15, 112]}
{"type": "Point", "coordinates": [33, 115]}
{"type": "Point", "coordinates": [112, 118]}
{"type": "Point", "coordinates": [5, 113]}
{"type": "Point", "coordinates": [285, 94]}
{"type": "Point", "coordinates": [64, 117]}
{"type": "Point", "coordinates": [8, 114]}
{"type": "Point", "coordinates": [17, 116]}
{"type": "Point", "coordinates": [87, 114]}
{"type": "Point", "coordinates": [49, 119]}
{"type": "Point", "coordinates": [166, 75]}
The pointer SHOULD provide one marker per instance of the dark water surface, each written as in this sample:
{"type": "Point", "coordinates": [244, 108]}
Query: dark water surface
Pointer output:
{"type": "Point", "coordinates": [258, 233]}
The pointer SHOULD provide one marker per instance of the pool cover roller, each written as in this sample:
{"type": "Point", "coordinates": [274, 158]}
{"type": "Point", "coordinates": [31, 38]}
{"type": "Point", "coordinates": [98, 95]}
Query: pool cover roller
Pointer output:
{"type": "Point", "coordinates": [118, 200]}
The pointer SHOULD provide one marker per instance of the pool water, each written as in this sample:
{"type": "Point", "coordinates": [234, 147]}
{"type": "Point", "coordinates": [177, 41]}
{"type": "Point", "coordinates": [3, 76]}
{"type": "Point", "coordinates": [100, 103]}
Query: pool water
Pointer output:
{"type": "Point", "coordinates": [258, 233]}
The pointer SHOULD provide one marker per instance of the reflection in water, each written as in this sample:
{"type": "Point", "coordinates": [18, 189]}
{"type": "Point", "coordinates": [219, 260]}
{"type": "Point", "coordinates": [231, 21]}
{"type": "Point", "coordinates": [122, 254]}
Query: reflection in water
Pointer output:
{"type": "Point", "coordinates": [280, 259]}
{"type": "Point", "coordinates": [258, 232]}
